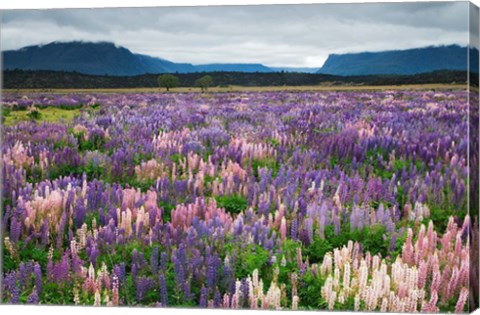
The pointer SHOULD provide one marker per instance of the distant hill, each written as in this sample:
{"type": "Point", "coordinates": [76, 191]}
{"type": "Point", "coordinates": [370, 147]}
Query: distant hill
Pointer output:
{"type": "Point", "coordinates": [158, 65]}
{"type": "Point", "coordinates": [404, 62]}
{"type": "Point", "coordinates": [90, 58]}
{"type": "Point", "coordinates": [232, 67]}
{"type": "Point", "coordinates": [104, 58]}
{"type": "Point", "coordinates": [295, 69]}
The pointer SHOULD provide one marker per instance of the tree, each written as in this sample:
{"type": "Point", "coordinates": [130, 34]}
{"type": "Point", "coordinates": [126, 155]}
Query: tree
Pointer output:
{"type": "Point", "coordinates": [168, 81]}
{"type": "Point", "coordinates": [204, 82]}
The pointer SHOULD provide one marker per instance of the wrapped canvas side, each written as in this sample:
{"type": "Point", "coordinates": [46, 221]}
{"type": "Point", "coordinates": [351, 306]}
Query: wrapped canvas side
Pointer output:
{"type": "Point", "coordinates": [473, 78]}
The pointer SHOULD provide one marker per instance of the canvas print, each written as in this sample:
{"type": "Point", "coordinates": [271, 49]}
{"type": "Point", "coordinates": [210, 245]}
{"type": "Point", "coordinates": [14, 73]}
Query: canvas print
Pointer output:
{"type": "Point", "coordinates": [275, 157]}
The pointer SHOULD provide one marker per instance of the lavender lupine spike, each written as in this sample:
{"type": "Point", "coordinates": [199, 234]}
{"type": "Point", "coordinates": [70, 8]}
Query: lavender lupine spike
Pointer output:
{"type": "Point", "coordinates": [163, 291]}
{"type": "Point", "coordinates": [154, 260]}
{"type": "Point", "coordinates": [33, 297]}
{"type": "Point", "coordinates": [203, 297]}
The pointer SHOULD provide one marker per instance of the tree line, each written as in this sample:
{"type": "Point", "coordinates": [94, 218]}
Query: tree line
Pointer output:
{"type": "Point", "coordinates": [169, 81]}
{"type": "Point", "coordinates": [21, 79]}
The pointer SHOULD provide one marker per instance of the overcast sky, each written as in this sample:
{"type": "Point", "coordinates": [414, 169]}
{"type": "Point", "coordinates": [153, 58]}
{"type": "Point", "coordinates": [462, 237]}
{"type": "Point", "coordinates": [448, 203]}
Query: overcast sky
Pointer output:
{"type": "Point", "coordinates": [278, 35]}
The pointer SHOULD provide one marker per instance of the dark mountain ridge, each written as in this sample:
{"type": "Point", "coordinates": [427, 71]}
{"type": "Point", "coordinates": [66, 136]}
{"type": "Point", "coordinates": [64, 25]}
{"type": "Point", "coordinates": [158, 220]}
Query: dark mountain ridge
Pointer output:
{"type": "Point", "coordinates": [403, 62]}
{"type": "Point", "coordinates": [104, 58]}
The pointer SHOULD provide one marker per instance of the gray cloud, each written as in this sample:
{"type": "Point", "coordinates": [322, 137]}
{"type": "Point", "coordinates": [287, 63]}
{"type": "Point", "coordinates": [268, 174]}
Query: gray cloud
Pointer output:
{"type": "Point", "coordinates": [278, 35]}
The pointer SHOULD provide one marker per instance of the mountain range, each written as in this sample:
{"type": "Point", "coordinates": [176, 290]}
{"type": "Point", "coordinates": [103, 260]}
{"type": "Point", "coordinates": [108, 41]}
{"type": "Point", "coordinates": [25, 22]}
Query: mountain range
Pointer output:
{"type": "Point", "coordinates": [104, 58]}
{"type": "Point", "coordinates": [402, 62]}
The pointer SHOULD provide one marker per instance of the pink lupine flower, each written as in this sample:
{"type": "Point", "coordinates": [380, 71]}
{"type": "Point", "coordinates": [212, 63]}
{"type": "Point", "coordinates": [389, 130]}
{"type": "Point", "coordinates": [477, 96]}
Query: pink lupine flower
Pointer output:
{"type": "Point", "coordinates": [462, 299]}
{"type": "Point", "coordinates": [283, 228]}
{"type": "Point", "coordinates": [408, 250]}
{"type": "Point", "coordinates": [97, 301]}
{"type": "Point", "coordinates": [115, 296]}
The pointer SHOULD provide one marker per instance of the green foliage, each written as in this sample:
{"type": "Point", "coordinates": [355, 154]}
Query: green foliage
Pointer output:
{"type": "Point", "coordinates": [34, 113]}
{"type": "Point", "coordinates": [93, 171]}
{"type": "Point", "coordinates": [250, 258]}
{"type": "Point", "coordinates": [62, 143]}
{"type": "Point", "coordinates": [57, 294]}
{"type": "Point", "coordinates": [121, 253]}
{"type": "Point", "coordinates": [49, 114]}
{"type": "Point", "coordinates": [373, 238]}
{"type": "Point", "coordinates": [309, 287]}
{"type": "Point", "coordinates": [62, 106]}
{"type": "Point", "coordinates": [55, 172]}
{"type": "Point", "coordinates": [342, 161]}
{"type": "Point", "coordinates": [167, 210]}
{"type": "Point", "coordinates": [6, 111]}
{"type": "Point", "coordinates": [9, 262]}
{"type": "Point", "coordinates": [168, 81]}
{"type": "Point", "coordinates": [139, 157]}
{"type": "Point", "coordinates": [176, 158]}
{"type": "Point", "coordinates": [144, 185]}
{"type": "Point", "coordinates": [232, 203]}
{"type": "Point", "coordinates": [94, 143]}
{"type": "Point", "coordinates": [274, 142]}
{"type": "Point", "coordinates": [269, 163]}
{"type": "Point", "coordinates": [204, 82]}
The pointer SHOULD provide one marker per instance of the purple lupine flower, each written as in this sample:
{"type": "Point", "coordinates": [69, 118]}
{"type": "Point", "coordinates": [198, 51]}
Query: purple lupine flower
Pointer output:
{"type": "Point", "coordinates": [22, 275]}
{"type": "Point", "coordinates": [309, 227]}
{"type": "Point", "coordinates": [119, 271]}
{"type": "Point", "coordinates": [192, 146]}
{"type": "Point", "coordinates": [93, 255]}
{"type": "Point", "coordinates": [163, 290]}
{"type": "Point", "coordinates": [238, 226]}
{"type": "Point", "coordinates": [37, 272]}
{"type": "Point", "coordinates": [61, 270]}
{"type": "Point", "coordinates": [134, 264]}
{"type": "Point", "coordinates": [15, 295]}
{"type": "Point", "coordinates": [294, 229]}
{"type": "Point", "coordinates": [44, 233]}
{"type": "Point", "coordinates": [187, 295]}
{"type": "Point", "coordinates": [154, 260]}
{"type": "Point", "coordinates": [163, 261]}
{"type": "Point", "coordinates": [336, 221]}
{"type": "Point", "coordinates": [33, 297]}
{"type": "Point", "coordinates": [211, 274]}
{"type": "Point", "coordinates": [15, 229]}
{"type": "Point", "coordinates": [393, 242]}
{"type": "Point", "coordinates": [203, 297]}
{"type": "Point", "coordinates": [61, 230]}
{"type": "Point", "coordinates": [69, 201]}
{"type": "Point", "coordinates": [80, 213]}
{"type": "Point", "coordinates": [143, 285]}
{"type": "Point", "coordinates": [245, 292]}
{"type": "Point", "coordinates": [77, 263]}
{"type": "Point", "coordinates": [217, 299]}
{"type": "Point", "coordinates": [179, 273]}
{"type": "Point", "coordinates": [227, 277]}
{"type": "Point", "coordinates": [304, 237]}
{"type": "Point", "coordinates": [10, 285]}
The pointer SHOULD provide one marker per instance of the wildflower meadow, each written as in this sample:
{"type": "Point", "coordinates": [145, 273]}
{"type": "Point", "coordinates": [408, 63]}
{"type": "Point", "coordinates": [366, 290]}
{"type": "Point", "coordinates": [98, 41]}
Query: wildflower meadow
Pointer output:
{"type": "Point", "coordinates": [351, 200]}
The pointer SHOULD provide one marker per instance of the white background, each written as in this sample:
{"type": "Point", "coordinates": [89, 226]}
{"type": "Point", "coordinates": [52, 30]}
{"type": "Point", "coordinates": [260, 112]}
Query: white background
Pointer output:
{"type": "Point", "coordinates": [44, 4]}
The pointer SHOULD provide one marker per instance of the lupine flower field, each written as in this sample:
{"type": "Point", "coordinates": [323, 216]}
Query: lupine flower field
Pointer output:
{"type": "Point", "coordinates": [286, 200]}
